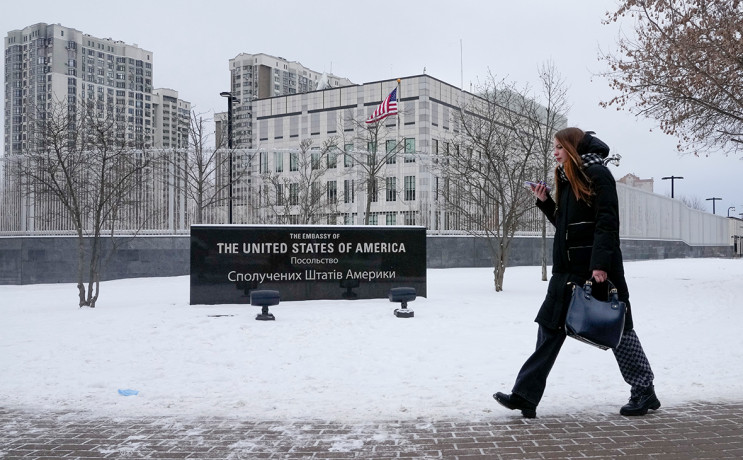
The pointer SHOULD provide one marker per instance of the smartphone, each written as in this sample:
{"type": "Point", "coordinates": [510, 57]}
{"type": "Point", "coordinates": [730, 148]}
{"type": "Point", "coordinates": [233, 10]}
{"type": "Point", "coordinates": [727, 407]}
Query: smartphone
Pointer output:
{"type": "Point", "coordinates": [529, 184]}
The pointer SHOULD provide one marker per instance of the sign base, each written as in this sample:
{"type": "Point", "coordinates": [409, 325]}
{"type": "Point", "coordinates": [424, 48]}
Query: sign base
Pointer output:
{"type": "Point", "coordinates": [404, 313]}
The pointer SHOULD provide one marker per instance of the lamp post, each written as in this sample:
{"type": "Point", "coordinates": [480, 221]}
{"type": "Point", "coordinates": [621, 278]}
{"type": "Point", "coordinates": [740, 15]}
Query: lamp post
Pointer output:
{"type": "Point", "coordinates": [731, 207]}
{"type": "Point", "coordinates": [713, 203]}
{"type": "Point", "coordinates": [230, 100]}
{"type": "Point", "coordinates": [673, 178]}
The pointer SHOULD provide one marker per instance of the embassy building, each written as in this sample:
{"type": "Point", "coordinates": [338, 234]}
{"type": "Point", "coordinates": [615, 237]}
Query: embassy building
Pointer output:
{"type": "Point", "coordinates": [405, 147]}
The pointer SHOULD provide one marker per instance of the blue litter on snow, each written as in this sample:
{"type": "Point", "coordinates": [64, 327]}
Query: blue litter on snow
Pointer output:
{"type": "Point", "coordinates": [128, 392]}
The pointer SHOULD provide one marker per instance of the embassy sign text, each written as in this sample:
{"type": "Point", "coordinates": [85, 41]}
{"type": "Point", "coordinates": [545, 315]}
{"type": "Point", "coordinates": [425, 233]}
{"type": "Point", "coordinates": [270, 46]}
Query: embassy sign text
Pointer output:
{"type": "Point", "coordinates": [305, 262]}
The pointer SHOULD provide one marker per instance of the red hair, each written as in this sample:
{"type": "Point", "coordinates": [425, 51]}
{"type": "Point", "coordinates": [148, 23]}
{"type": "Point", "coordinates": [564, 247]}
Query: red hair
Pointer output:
{"type": "Point", "coordinates": [580, 184]}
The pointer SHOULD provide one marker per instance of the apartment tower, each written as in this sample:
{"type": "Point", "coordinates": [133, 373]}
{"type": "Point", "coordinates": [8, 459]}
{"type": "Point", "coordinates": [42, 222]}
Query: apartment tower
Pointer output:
{"type": "Point", "coordinates": [172, 117]}
{"type": "Point", "coordinates": [48, 64]}
{"type": "Point", "coordinates": [260, 76]}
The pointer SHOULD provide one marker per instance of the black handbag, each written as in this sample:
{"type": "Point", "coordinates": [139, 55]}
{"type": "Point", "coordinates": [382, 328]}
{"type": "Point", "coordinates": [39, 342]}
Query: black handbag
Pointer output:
{"type": "Point", "coordinates": [595, 322]}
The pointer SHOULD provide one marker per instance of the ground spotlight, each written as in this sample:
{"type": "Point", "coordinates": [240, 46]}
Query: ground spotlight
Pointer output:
{"type": "Point", "coordinates": [403, 295]}
{"type": "Point", "coordinates": [264, 299]}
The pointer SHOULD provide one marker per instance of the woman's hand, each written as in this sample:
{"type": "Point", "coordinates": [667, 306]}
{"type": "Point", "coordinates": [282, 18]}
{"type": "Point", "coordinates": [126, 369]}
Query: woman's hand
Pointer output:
{"type": "Point", "coordinates": [600, 276]}
{"type": "Point", "coordinates": [540, 191]}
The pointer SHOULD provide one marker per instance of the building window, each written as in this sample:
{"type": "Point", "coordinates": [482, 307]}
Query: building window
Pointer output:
{"type": "Point", "coordinates": [410, 150]}
{"type": "Point", "coordinates": [332, 159]}
{"type": "Point", "coordinates": [279, 194]}
{"type": "Point", "coordinates": [391, 187]}
{"type": "Point", "coordinates": [348, 191]}
{"type": "Point", "coordinates": [409, 188]}
{"type": "Point", "coordinates": [294, 161]}
{"type": "Point", "coordinates": [294, 194]}
{"type": "Point", "coordinates": [263, 195]}
{"type": "Point", "coordinates": [315, 158]}
{"type": "Point", "coordinates": [375, 190]}
{"type": "Point", "coordinates": [408, 217]}
{"type": "Point", "coordinates": [315, 192]}
{"type": "Point", "coordinates": [347, 159]}
{"type": "Point", "coordinates": [263, 162]}
{"type": "Point", "coordinates": [332, 191]}
{"type": "Point", "coordinates": [278, 160]}
{"type": "Point", "coordinates": [390, 150]}
{"type": "Point", "coordinates": [373, 219]}
{"type": "Point", "coordinates": [391, 218]}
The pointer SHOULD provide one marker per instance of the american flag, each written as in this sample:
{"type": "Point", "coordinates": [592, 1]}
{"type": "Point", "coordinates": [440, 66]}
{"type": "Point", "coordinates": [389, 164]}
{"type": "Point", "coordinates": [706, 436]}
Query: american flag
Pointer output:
{"type": "Point", "coordinates": [386, 108]}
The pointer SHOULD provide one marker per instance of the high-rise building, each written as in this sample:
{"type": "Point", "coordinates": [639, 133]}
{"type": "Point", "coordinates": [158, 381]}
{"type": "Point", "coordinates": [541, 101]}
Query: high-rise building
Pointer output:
{"type": "Point", "coordinates": [171, 119]}
{"type": "Point", "coordinates": [57, 71]}
{"type": "Point", "coordinates": [49, 64]}
{"type": "Point", "coordinates": [261, 76]}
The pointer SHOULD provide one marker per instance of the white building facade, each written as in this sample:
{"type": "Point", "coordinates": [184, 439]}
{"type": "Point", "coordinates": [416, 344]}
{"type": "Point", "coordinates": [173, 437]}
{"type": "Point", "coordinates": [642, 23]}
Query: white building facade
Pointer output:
{"type": "Point", "coordinates": [425, 126]}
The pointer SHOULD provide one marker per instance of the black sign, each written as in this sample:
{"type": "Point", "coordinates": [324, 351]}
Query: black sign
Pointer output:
{"type": "Point", "coordinates": [304, 262]}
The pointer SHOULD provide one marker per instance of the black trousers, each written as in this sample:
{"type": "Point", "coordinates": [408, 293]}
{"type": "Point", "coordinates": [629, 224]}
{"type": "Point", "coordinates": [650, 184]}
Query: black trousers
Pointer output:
{"type": "Point", "coordinates": [532, 378]}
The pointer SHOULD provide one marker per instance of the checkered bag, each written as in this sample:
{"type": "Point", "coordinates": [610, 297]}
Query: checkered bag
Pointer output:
{"type": "Point", "coordinates": [595, 322]}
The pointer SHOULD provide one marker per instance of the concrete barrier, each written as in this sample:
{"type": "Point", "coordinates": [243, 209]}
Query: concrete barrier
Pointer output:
{"type": "Point", "coordinates": [34, 260]}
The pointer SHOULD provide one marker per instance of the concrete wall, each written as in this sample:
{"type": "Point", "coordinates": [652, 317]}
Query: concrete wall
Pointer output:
{"type": "Point", "coordinates": [645, 215]}
{"type": "Point", "coordinates": [453, 251]}
{"type": "Point", "coordinates": [33, 260]}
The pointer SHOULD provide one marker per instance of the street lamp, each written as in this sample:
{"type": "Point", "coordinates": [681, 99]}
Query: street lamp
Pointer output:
{"type": "Point", "coordinates": [230, 100]}
{"type": "Point", "coordinates": [673, 178]}
{"type": "Point", "coordinates": [731, 207]}
{"type": "Point", "coordinates": [713, 203]}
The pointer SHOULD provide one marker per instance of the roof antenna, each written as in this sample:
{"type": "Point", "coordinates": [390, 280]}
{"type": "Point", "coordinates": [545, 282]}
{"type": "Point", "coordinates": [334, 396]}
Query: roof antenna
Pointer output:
{"type": "Point", "coordinates": [461, 66]}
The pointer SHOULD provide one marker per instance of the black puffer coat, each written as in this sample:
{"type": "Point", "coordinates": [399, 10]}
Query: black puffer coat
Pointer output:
{"type": "Point", "coordinates": [586, 239]}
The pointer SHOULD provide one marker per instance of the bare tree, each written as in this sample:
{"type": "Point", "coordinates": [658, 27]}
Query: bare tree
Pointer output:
{"type": "Point", "coordinates": [203, 171]}
{"type": "Point", "coordinates": [300, 196]}
{"type": "Point", "coordinates": [683, 68]}
{"type": "Point", "coordinates": [694, 202]}
{"type": "Point", "coordinates": [542, 125]}
{"type": "Point", "coordinates": [372, 160]}
{"type": "Point", "coordinates": [484, 171]}
{"type": "Point", "coordinates": [80, 160]}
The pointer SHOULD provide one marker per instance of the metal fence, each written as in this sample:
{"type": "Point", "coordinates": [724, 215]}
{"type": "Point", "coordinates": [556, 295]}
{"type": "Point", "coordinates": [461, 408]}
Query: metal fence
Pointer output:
{"type": "Point", "coordinates": [161, 205]}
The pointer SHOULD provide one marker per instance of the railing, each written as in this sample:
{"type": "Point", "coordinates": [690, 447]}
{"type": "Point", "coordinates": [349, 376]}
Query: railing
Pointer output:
{"type": "Point", "coordinates": [643, 215]}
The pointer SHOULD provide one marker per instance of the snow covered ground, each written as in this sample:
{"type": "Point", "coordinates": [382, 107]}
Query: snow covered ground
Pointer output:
{"type": "Point", "coordinates": [354, 360]}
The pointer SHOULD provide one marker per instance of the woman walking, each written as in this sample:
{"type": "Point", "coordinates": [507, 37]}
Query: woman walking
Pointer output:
{"type": "Point", "coordinates": [586, 245]}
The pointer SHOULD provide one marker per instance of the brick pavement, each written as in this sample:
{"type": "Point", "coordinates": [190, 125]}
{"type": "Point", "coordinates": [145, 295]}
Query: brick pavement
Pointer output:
{"type": "Point", "coordinates": [696, 430]}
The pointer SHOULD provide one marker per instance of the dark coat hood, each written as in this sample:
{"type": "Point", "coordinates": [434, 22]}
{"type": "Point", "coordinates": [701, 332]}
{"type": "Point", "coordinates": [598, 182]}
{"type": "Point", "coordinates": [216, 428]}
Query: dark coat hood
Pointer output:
{"type": "Point", "coordinates": [591, 144]}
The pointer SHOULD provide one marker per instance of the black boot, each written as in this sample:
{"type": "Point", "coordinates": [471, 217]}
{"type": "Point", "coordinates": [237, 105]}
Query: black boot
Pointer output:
{"type": "Point", "coordinates": [516, 402]}
{"type": "Point", "coordinates": [639, 405]}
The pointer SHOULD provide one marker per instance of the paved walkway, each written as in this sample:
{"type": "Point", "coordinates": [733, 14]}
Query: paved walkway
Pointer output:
{"type": "Point", "coordinates": [698, 430]}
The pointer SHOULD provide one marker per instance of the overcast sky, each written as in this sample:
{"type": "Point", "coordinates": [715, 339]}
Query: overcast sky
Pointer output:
{"type": "Point", "coordinates": [192, 42]}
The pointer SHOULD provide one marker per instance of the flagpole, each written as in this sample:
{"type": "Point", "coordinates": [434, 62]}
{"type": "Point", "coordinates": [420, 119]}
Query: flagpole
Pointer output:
{"type": "Point", "coordinates": [399, 109]}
